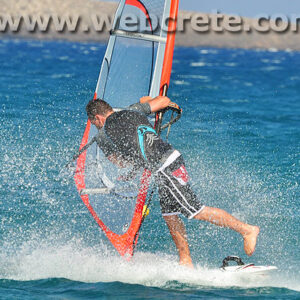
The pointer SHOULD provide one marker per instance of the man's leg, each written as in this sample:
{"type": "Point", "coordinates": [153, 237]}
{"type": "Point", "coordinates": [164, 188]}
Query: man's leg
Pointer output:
{"type": "Point", "coordinates": [221, 218]}
{"type": "Point", "coordinates": [178, 233]}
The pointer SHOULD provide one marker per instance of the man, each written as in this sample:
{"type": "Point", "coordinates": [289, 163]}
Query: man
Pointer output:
{"type": "Point", "coordinates": [128, 136]}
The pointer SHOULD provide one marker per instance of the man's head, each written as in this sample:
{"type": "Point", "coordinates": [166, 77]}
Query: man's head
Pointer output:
{"type": "Point", "coordinates": [98, 110]}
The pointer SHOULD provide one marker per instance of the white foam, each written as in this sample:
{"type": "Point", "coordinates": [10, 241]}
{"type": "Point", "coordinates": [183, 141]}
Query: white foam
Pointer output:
{"type": "Point", "coordinates": [198, 64]}
{"type": "Point", "coordinates": [235, 100]}
{"type": "Point", "coordinates": [93, 48]}
{"type": "Point", "coordinates": [64, 58]}
{"type": "Point", "coordinates": [201, 64]}
{"type": "Point", "coordinates": [202, 77]}
{"type": "Point", "coordinates": [57, 76]}
{"type": "Point", "coordinates": [273, 50]}
{"type": "Point", "coordinates": [75, 262]}
{"type": "Point", "coordinates": [270, 69]}
{"type": "Point", "coordinates": [180, 82]}
{"type": "Point", "coordinates": [230, 64]}
{"type": "Point", "coordinates": [296, 78]}
{"type": "Point", "coordinates": [208, 51]}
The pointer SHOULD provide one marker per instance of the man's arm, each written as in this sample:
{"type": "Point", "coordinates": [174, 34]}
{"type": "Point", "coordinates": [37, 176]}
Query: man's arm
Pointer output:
{"type": "Point", "coordinates": [157, 103]}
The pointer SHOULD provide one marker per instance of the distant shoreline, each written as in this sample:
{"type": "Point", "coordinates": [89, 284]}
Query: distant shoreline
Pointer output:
{"type": "Point", "coordinates": [248, 37]}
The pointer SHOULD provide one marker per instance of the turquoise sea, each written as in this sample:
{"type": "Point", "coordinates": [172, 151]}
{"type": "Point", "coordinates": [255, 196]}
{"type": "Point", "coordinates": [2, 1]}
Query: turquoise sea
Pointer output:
{"type": "Point", "coordinates": [240, 136]}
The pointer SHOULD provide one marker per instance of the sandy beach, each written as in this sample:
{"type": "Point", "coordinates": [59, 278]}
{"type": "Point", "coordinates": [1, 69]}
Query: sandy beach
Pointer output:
{"type": "Point", "coordinates": [83, 10]}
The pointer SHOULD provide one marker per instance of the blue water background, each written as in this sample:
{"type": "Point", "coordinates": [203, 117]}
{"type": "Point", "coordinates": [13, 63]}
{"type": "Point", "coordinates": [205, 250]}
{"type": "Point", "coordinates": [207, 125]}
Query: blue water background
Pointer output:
{"type": "Point", "coordinates": [239, 134]}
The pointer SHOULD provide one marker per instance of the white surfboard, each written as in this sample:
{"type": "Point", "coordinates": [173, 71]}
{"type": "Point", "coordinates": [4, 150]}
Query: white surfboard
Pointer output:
{"type": "Point", "coordinates": [246, 269]}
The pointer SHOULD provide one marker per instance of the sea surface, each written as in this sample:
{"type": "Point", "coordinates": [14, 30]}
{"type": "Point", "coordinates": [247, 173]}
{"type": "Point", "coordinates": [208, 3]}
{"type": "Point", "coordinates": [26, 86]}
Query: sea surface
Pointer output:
{"type": "Point", "coordinates": [239, 134]}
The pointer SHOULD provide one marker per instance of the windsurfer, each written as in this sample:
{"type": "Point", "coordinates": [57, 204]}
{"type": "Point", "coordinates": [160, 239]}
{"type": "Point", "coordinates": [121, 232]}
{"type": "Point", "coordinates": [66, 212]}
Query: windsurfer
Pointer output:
{"type": "Point", "coordinates": [128, 136]}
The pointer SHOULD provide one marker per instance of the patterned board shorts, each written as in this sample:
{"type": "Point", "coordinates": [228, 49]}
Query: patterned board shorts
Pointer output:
{"type": "Point", "coordinates": [175, 193]}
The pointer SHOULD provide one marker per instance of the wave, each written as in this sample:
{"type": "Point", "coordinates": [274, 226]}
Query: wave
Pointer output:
{"type": "Point", "coordinates": [80, 263]}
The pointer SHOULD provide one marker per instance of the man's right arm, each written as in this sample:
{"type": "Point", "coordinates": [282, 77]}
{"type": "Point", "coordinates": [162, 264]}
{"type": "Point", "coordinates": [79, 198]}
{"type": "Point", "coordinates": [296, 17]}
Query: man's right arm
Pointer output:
{"type": "Point", "coordinates": [157, 103]}
{"type": "Point", "coordinates": [148, 105]}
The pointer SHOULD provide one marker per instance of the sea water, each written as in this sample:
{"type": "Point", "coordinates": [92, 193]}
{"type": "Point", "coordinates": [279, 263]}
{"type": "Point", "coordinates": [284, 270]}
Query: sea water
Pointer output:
{"type": "Point", "coordinates": [239, 134]}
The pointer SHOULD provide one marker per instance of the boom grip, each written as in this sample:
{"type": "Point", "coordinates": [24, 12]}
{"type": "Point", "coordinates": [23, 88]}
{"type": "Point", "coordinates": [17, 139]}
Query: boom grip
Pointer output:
{"type": "Point", "coordinates": [175, 109]}
{"type": "Point", "coordinates": [178, 111]}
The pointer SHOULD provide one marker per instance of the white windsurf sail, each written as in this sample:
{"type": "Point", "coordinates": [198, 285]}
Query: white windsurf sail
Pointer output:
{"type": "Point", "coordinates": [137, 62]}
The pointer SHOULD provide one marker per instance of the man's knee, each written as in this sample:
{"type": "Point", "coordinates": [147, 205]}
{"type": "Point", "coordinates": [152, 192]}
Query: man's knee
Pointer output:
{"type": "Point", "coordinates": [204, 213]}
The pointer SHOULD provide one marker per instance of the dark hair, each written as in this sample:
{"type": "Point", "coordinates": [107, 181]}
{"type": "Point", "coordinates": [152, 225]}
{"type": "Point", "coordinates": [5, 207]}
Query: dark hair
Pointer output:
{"type": "Point", "coordinates": [97, 107]}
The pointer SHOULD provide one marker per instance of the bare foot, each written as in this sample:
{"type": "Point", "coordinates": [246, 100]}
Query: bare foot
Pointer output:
{"type": "Point", "coordinates": [250, 240]}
